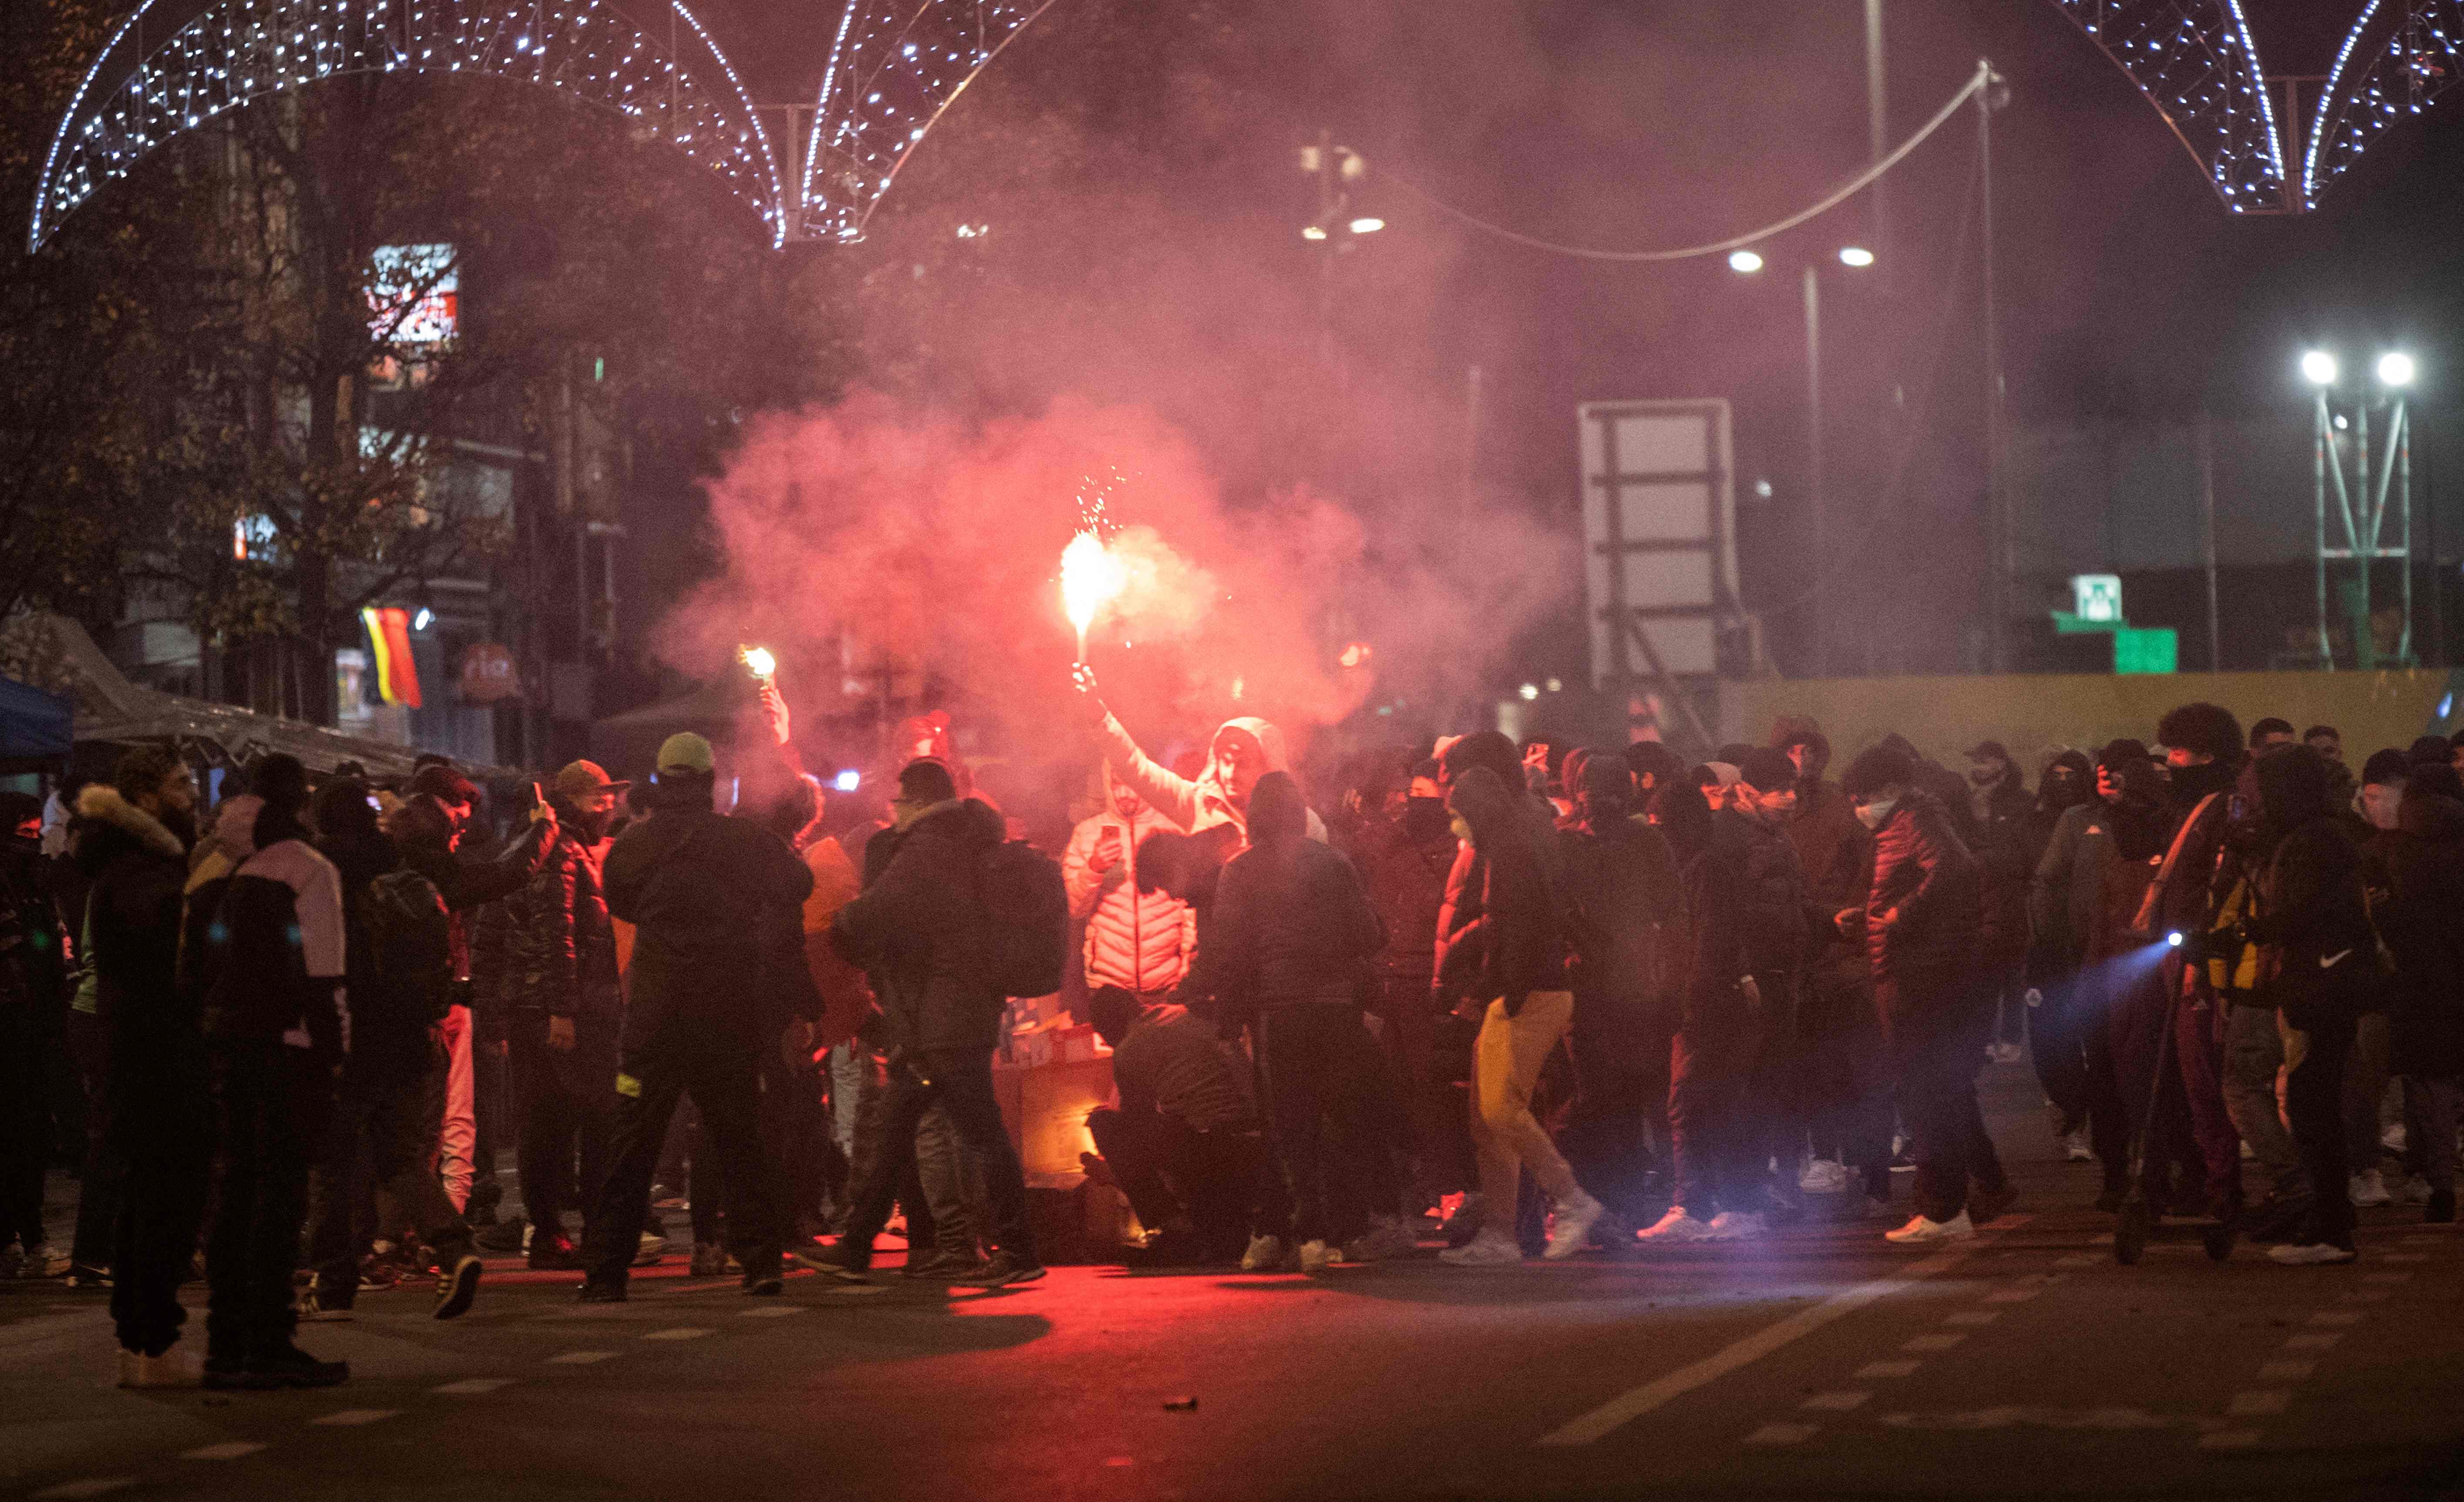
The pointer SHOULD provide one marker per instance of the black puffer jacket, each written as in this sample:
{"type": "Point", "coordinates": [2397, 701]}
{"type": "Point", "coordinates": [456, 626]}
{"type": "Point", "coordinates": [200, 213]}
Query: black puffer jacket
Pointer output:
{"type": "Point", "coordinates": [1752, 912]}
{"type": "Point", "coordinates": [549, 946]}
{"type": "Point", "coordinates": [2423, 923]}
{"type": "Point", "coordinates": [918, 930]}
{"type": "Point", "coordinates": [1292, 924]}
{"type": "Point", "coordinates": [1625, 910]}
{"type": "Point", "coordinates": [1923, 917]}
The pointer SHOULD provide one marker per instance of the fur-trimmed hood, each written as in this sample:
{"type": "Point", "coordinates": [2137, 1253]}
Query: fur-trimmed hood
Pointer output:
{"type": "Point", "coordinates": [106, 824]}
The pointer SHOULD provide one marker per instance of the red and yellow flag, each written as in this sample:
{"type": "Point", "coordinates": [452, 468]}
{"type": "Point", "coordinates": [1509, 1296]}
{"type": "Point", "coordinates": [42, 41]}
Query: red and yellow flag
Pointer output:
{"type": "Point", "coordinates": [389, 636]}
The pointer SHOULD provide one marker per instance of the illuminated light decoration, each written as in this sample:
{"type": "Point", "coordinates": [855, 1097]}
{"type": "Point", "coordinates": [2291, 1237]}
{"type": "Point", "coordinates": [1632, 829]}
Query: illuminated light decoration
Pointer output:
{"type": "Point", "coordinates": [2399, 56]}
{"type": "Point", "coordinates": [895, 68]}
{"type": "Point", "coordinates": [134, 98]}
{"type": "Point", "coordinates": [2195, 63]}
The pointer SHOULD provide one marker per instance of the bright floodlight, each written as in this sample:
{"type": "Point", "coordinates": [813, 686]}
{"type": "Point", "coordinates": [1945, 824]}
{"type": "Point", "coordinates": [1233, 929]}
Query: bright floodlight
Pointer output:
{"type": "Point", "coordinates": [2318, 368]}
{"type": "Point", "coordinates": [2395, 368]}
{"type": "Point", "coordinates": [1745, 262]}
{"type": "Point", "coordinates": [1368, 226]}
{"type": "Point", "coordinates": [1855, 256]}
{"type": "Point", "coordinates": [1313, 232]}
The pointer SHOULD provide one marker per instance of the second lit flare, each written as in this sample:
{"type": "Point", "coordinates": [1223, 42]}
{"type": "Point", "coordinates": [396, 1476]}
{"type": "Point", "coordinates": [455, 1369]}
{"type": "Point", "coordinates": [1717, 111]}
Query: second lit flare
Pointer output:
{"type": "Point", "coordinates": [1091, 578]}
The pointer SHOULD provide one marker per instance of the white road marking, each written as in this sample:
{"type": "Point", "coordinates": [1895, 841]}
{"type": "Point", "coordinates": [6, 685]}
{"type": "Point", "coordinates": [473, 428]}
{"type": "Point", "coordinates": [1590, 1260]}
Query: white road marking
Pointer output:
{"type": "Point", "coordinates": [354, 1417]}
{"type": "Point", "coordinates": [2259, 1404]}
{"type": "Point", "coordinates": [2230, 1439]}
{"type": "Point", "coordinates": [680, 1332]}
{"type": "Point", "coordinates": [1873, 1371]}
{"type": "Point", "coordinates": [1836, 1402]}
{"type": "Point", "coordinates": [1783, 1434]}
{"type": "Point", "coordinates": [1623, 1409]}
{"type": "Point", "coordinates": [770, 1312]}
{"type": "Point", "coordinates": [2079, 1259]}
{"type": "Point", "coordinates": [91, 1487]}
{"type": "Point", "coordinates": [1974, 1316]}
{"type": "Point", "coordinates": [581, 1358]}
{"type": "Point", "coordinates": [473, 1387]}
{"type": "Point", "coordinates": [2318, 1341]}
{"type": "Point", "coordinates": [229, 1450]}
{"type": "Point", "coordinates": [2336, 1316]}
{"type": "Point", "coordinates": [2286, 1371]}
{"type": "Point", "coordinates": [1940, 1342]}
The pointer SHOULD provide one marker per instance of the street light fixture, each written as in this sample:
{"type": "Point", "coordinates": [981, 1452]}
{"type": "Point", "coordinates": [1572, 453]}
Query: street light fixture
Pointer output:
{"type": "Point", "coordinates": [1367, 226]}
{"type": "Point", "coordinates": [1744, 263]}
{"type": "Point", "coordinates": [2395, 368]}
{"type": "Point", "coordinates": [1315, 232]}
{"type": "Point", "coordinates": [1855, 256]}
{"type": "Point", "coordinates": [2318, 368]}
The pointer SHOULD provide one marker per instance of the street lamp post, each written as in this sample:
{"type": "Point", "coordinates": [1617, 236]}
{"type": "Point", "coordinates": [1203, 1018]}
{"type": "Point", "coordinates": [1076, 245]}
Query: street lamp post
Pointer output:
{"type": "Point", "coordinates": [2361, 503]}
{"type": "Point", "coordinates": [1746, 263]}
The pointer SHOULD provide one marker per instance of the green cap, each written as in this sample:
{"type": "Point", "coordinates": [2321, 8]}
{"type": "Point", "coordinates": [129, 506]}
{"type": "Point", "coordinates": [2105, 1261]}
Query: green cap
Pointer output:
{"type": "Point", "coordinates": [685, 752]}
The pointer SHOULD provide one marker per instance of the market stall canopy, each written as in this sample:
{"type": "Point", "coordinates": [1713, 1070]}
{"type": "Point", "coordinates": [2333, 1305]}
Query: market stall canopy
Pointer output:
{"type": "Point", "coordinates": [35, 727]}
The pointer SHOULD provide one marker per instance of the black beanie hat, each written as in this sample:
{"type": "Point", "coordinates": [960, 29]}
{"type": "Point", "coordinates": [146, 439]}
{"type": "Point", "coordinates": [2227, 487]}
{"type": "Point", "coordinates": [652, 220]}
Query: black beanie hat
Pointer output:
{"type": "Point", "coordinates": [1768, 769]}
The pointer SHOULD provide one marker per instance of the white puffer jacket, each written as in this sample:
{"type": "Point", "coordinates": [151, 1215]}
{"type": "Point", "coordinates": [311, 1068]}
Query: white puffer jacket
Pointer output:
{"type": "Point", "coordinates": [1141, 943]}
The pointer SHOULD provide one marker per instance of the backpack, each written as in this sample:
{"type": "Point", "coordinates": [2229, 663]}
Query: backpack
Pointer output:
{"type": "Point", "coordinates": [1026, 912]}
{"type": "Point", "coordinates": [410, 940]}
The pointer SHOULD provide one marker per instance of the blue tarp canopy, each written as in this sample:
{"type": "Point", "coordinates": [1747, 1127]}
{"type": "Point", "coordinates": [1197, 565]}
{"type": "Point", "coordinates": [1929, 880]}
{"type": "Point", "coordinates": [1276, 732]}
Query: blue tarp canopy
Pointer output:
{"type": "Point", "coordinates": [34, 727]}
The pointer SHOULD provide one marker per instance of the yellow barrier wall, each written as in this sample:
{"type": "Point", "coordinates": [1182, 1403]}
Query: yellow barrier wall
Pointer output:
{"type": "Point", "coordinates": [2036, 714]}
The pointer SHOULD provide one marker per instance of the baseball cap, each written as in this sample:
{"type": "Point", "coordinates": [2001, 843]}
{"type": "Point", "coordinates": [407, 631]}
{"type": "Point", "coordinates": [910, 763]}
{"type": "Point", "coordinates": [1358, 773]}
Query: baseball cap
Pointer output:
{"type": "Point", "coordinates": [686, 755]}
{"type": "Point", "coordinates": [445, 785]}
{"type": "Point", "coordinates": [581, 779]}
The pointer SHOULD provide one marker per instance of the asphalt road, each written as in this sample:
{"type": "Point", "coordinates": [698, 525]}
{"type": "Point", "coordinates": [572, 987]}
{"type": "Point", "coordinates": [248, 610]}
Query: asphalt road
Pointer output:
{"type": "Point", "coordinates": [1820, 1362]}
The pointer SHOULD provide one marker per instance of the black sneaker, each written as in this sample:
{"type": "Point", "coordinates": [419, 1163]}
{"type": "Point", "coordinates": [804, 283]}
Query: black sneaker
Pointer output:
{"type": "Point", "coordinates": [458, 1283]}
{"type": "Point", "coordinates": [1003, 1270]}
{"type": "Point", "coordinates": [842, 1261]}
{"type": "Point", "coordinates": [554, 1255]}
{"type": "Point", "coordinates": [940, 1267]}
{"type": "Point", "coordinates": [229, 1373]}
{"type": "Point", "coordinates": [594, 1292]}
{"type": "Point", "coordinates": [1990, 1205]}
{"type": "Point", "coordinates": [762, 1285]}
{"type": "Point", "coordinates": [286, 1365]}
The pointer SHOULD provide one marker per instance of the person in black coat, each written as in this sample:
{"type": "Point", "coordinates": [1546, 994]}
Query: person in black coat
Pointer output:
{"type": "Point", "coordinates": [33, 1004]}
{"type": "Point", "coordinates": [699, 887]}
{"type": "Point", "coordinates": [130, 840]}
{"type": "Point", "coordinates": [2423, 924]}
{"type": "Point", "coordinates": [1625, 916]}
{"type": "Point", "coordinates": [918, 928]}
{"type": "Point", "coordinates": [1921, 923]}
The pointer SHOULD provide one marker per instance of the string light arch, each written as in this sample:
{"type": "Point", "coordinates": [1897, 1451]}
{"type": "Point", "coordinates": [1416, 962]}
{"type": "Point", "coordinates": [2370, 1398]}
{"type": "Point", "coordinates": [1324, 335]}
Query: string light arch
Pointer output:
{"type": "Point", "coordinates": [2396, 59]}
{"type": "Point", "coordinates": [895, 67]}
{"type": "Point", "coordinates": [679, 89]}
{"type": "Point", "coordinates": [2195, 63]}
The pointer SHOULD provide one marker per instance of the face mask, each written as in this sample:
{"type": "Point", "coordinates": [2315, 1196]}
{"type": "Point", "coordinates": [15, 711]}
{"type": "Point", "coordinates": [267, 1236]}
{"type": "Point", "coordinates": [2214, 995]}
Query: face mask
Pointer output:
{"type": "Point", "coordinates": [1424, 818]}
{"type": "Point", "coordinates": [1874, 815]}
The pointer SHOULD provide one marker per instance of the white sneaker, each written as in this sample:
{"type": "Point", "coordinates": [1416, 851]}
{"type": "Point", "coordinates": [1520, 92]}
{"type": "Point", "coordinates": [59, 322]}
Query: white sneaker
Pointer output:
{"type": "Point", "coordinates": [44, 1261]}
{"type": "Point", "coordinates": [1959, 1228]}
{"type": "Point", "coordinates": [1490, 1248]}
{"type": "Point", "coordinates": [1386, 1237]}
{"type": "Point", "coordinates": [2074, 1149]}
{"type": "Point", "coordinates": [2393, 1137]}
{"type": "Point", "coordinates": [2415, 1191]}
{"type": "Point", "coordinates": [1316, 1256]}
{"type": "Point", "coordinates": [652, 1246]}
{"type": "Point", "coordinates": [1266, 1254]}
{"type": "Point", "coordinates": [1734, 1225]}
{"type": "Point", "coordinates": [1823, 1176]}
{"type": "Point", "coordinates": [1571, 1231]}
{"type": "Point", "coordinates": [2008, 1053]}
{"type": "Point", "coordinates": [1677, 1229]}
{"type": "Point", "coordinates": [2369, 1189]}
{"type": "Point", "coordinates": [173, 1368]}
{"type": "Point", "coordinates": [2314, 1255]}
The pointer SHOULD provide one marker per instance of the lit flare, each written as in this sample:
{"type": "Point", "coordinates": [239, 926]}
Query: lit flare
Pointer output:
{"type": "Point", "coordinates": [760, 661]}
{"type": "Point", "coordinates": [1091, 578]}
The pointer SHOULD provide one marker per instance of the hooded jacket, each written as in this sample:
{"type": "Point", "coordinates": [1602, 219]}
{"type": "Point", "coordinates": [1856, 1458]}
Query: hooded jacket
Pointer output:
{"type": "Point", "coordinates": [918, 928]}
{"type": "Point", "coordinates": [2423, 924]}
{"type": "Point", "coordinates": [704, 892]}
{"type": "Point", "coordinates": [1291, 924]}
{"type": "Point", "coordinates": [1517, 943]}
{"type": "Point", "coordinates": [135, 867]}
{"type": "Point", "coordinates": [2318, 952]}
{"type": "Point", "coordinates": [469, 884]}
{"type": "Point", "coordinates": [1624, 910]}
{"type": "Point", "coordinates": [1194, 806]}
{"type": "Point", "coordinates": [1139, 941]}
{"type": "Point", "coordinates": [1751, 910]}
{"type": "Point", "coordinates": [1923, 915]}
{"type": "Point", "coordinates": [265, 945]}
{"type": "Point", "coordinates": [1405, 863]}
{"type": "Point", "coordinates": [549, 946]}
{"type": "Point", "coordinates": [2003, 815]}
{"type": "Point", "coordinates": [2067, 894]}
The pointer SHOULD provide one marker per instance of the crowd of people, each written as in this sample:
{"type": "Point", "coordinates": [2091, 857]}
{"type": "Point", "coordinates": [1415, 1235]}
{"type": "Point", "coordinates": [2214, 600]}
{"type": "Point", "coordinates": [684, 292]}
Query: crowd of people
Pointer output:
{"type": "Point", "coordinates": [1568, 1000]}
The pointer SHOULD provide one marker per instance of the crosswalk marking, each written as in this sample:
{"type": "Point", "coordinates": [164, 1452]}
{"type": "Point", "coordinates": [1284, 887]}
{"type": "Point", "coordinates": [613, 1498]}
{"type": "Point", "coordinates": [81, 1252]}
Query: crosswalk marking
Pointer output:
{"type": "Point", "coordinates": [229, 1450]}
